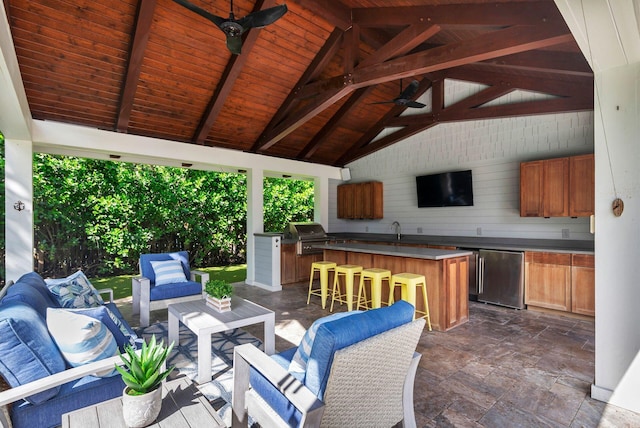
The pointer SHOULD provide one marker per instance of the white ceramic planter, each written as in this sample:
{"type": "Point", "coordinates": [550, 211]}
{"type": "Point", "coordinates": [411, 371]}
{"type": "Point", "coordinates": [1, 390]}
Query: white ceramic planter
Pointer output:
{"type": "Point", "coordinates": [141, 410]}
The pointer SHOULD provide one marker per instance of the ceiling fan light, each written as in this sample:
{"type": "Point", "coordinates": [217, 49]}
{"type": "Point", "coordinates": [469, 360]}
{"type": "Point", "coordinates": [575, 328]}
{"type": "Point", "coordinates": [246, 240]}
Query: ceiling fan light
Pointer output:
{"type": "Point", "coordinates": [231, 29]}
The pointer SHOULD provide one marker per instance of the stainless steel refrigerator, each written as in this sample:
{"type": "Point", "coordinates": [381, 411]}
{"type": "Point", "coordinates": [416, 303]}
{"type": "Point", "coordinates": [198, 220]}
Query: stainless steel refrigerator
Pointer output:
{"type": "Point", "coordinates": [502, 278]}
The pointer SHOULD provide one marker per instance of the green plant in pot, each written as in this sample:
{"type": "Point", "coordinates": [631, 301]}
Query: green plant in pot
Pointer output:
{"type": "Point", "coordinates": [218, 294]}
{"type": "Point", "coordinates": [143, 372]}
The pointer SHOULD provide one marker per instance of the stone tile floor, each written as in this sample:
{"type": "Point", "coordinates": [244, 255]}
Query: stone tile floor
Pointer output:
{"type": "Point", "coordinates": [504, 368]}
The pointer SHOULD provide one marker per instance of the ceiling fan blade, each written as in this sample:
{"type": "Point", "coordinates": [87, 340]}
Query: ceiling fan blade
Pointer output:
{"type": "Point", "coordinates": [211, 17]}
{"type": "Point", "coordinates": [263, 18]}
{"type": "Point", "coordinates": [410, 90]}
{"type": "Point", "coordinates": [234, 44]}
{"type": "Point", "coordinates": [415, 104]}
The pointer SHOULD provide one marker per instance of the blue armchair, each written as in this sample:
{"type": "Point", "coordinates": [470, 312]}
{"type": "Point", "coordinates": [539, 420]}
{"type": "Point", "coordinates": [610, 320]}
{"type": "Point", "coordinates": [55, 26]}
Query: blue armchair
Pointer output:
{"type": "Point", "coordinates": [352, 369]}
{"type": "Point", "coordinates": [165, 278]}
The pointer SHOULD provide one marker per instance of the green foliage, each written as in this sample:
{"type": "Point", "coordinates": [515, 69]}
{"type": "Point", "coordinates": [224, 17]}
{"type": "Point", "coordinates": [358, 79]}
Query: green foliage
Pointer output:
{"type": "Point", "coordinates": [286, 201]}
{"type": "Point", "coordinates": [101, 215]}
{"type": "Point", "coordinates": [142, 371]}
{"type": "Point", "coordinates": [218, 288]}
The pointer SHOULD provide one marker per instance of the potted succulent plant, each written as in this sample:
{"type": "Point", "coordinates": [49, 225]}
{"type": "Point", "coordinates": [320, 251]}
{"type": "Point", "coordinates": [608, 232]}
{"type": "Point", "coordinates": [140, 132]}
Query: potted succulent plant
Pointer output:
{"type": "Point", "coordinates": [143, 372]}
{"type": "Point", "coordinates": [217, 293]}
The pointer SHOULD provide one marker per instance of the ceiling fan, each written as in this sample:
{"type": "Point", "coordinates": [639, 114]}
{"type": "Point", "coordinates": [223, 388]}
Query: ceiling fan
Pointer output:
{"type": "Point", "coordinates": [234, 28]}
{"type": "Point", "coordinates": [404, 99]}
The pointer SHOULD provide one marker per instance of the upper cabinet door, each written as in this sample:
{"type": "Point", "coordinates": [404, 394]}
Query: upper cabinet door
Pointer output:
{"type": "Point", "coordinates": [556, 187]}
{"type": "Point", "coordinates": [531, 174]}
{"type": "Point", "coordinates": [360, 200]}
{"type": "Point", "coordinates": [582, 186]}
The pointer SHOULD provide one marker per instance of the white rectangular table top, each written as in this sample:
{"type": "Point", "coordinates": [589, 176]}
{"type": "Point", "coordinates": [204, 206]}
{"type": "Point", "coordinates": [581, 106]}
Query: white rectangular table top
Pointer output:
{"type": "Point", "coordinates": [204, 321]}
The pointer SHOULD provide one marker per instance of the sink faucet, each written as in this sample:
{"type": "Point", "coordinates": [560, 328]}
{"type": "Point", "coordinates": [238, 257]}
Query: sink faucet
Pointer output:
{"type": "Point", "coordinates": [398, 229]}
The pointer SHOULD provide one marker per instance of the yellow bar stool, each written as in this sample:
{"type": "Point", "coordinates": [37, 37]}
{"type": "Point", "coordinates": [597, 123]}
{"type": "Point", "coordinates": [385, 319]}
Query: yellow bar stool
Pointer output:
{"type": "Point", "coordinates": [409, 282]}
{"type": "Point", "coordinates": [375, 276]}
{"type": "Point", "coordinates": [348, 272]}
{"type": "Point", "coordinates": [323, 268]}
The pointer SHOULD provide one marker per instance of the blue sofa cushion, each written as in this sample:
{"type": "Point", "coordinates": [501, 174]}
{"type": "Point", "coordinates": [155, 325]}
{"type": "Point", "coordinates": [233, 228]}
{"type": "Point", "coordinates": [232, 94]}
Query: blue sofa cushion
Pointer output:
{"type": "Point", "coordinates": [170, 291]}
{"type": "Point", "coordinates": [146, 269]}
{"type": "Point", "coordinates": [74, 395]}
{"type": "Point", "coordinates": [280, 405]}
{"type": "Point", "coordinates": [27, 352]}
{"type": "Point", "coordinates": [31, 290]}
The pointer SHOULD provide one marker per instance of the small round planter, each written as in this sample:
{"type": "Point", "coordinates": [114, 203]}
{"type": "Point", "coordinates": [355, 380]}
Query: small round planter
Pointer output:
{"type": "Point", "coordinates": [141, 410]}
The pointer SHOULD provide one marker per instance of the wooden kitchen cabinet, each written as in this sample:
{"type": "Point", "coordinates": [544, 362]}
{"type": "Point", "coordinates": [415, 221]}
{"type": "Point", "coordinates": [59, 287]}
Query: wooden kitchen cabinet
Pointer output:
{"type": "Point", "coordinates": [531, 174]}
{"type": "Point", "coordinates": [560, 281]}
{"type": "Point", "coordinates": [555, 197]}
{"type": "Point", "coordinates": [287, 263]}
{"type": "Point", "coordinates": [562, 187]}
{"type": "Point", "coordinates": [582, 186]}
{"type": "Point", "coordinates": [548, 280]}
{"type": "Point", "coordinates": [360, 200]}
{"type": "Point", "coordinates": [583, 281]}
{"type": "Point", "coordinates": [294, 268]}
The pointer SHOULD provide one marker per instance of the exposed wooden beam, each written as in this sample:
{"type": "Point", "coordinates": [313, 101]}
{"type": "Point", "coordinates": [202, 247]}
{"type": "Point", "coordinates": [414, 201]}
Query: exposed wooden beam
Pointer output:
{"type": "Point", "coordinates": [487, 46]}
{"type": "Point", "coordinates": [404, 42]}
{"type": "Point", "coordinates": [353, 149]}
{"type": "Point", "coordinates": [140, 36]}
{"type": "Point", "coordinates": [503, 42]}
{"type": "Point", "coordinates": [486, 14]}
{"type": "Point", "coordinates": [320, 61]}
{"type": "Point", "coordinates": [540, 83]}
{"type": "Point", "coordinates": [333, 123]}
{"type": "Point", "coordinates": [561, 63]}
{"type": "Point", "coordinates": [228, 79]}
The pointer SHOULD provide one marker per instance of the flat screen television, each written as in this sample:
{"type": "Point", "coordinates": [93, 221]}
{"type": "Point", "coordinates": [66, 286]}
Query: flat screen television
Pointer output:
{"type": "Point", "coordinates": [445, 189]}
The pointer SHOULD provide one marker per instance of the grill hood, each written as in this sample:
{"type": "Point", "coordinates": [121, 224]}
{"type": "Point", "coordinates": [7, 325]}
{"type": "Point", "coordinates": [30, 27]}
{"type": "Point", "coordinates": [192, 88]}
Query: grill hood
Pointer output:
{"type": "Point", "coordinates": [305, 231]}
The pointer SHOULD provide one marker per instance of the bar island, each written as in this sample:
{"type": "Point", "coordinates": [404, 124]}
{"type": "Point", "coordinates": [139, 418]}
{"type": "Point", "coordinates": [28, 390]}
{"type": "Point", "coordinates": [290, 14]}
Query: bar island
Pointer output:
{"type": "Point", "coordinates": [446, 273]}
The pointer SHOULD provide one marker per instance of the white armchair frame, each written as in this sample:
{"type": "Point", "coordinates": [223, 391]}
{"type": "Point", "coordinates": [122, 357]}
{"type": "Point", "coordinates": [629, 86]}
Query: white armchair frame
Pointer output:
{"type": "Point", "coordinates": [351, 397]}
{"type": "Point", "coordinates": [142, 303]}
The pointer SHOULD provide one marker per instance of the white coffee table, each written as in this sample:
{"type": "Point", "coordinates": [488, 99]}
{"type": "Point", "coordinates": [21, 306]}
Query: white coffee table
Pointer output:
{"type": "Point", "coordinates": [203, 321]}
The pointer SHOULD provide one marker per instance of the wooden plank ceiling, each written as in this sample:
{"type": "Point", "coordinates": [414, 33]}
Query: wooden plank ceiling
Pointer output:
{"type": "Point", "coordinates": [304, 87]}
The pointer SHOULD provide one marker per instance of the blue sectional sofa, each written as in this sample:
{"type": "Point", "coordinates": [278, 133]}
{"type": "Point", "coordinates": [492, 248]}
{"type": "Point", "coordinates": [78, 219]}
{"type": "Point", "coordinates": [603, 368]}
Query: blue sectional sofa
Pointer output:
{"type": "Point", "coordinates": [29, 355]}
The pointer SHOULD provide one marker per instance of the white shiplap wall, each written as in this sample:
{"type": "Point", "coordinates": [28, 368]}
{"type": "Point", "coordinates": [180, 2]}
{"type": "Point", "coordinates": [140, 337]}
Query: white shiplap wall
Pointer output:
{"type": "Point", "coordinates": [493, 150]}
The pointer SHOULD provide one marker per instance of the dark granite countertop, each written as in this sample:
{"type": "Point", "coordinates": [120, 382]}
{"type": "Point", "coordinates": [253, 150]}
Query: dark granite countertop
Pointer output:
{"type": "Point", "coordinates": [473, 243]}
{"type": "Point", "coordinates": [397, 251]}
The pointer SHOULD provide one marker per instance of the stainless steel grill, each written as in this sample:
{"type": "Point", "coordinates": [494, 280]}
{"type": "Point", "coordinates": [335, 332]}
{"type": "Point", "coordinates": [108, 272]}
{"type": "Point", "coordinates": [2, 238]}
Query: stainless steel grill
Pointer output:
{"type": "Point", "coordinates": [307, 235]}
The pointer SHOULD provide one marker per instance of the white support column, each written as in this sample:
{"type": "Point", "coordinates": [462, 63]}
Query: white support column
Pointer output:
{"type": "Point", "coordinates": [321, 201]}
{"type": "Point", "coordinates": [18, 208]}
{"type": "Point", "coordinates": [255, 217]}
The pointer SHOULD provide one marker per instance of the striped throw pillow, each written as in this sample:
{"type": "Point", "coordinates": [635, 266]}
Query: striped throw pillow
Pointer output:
{"type": "Point", "coordinates": [168, 272]}
{"type": "Point", "coordinates": [81, 338]}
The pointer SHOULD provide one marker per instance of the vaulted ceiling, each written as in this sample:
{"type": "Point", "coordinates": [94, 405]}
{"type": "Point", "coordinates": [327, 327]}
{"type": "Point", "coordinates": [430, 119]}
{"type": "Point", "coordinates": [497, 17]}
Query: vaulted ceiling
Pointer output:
{"type": "Point", "coordinates": [305, 87]}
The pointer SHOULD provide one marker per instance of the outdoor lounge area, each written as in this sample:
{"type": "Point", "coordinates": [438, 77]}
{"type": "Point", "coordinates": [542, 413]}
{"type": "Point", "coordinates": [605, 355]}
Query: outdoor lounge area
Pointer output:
{"type": "Point", "coordinates": [502, 368]}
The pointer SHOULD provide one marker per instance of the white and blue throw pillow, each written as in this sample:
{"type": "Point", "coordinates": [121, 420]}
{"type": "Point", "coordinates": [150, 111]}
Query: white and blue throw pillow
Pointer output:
{"type": "Point", "coordinates": [168, 272]}
{"type": "Point", "coordinates": [301, 357]}
{"type": "Point", "coordinates": [74, 291]}
{"type": "Point", "coordinates": [81, 338]}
